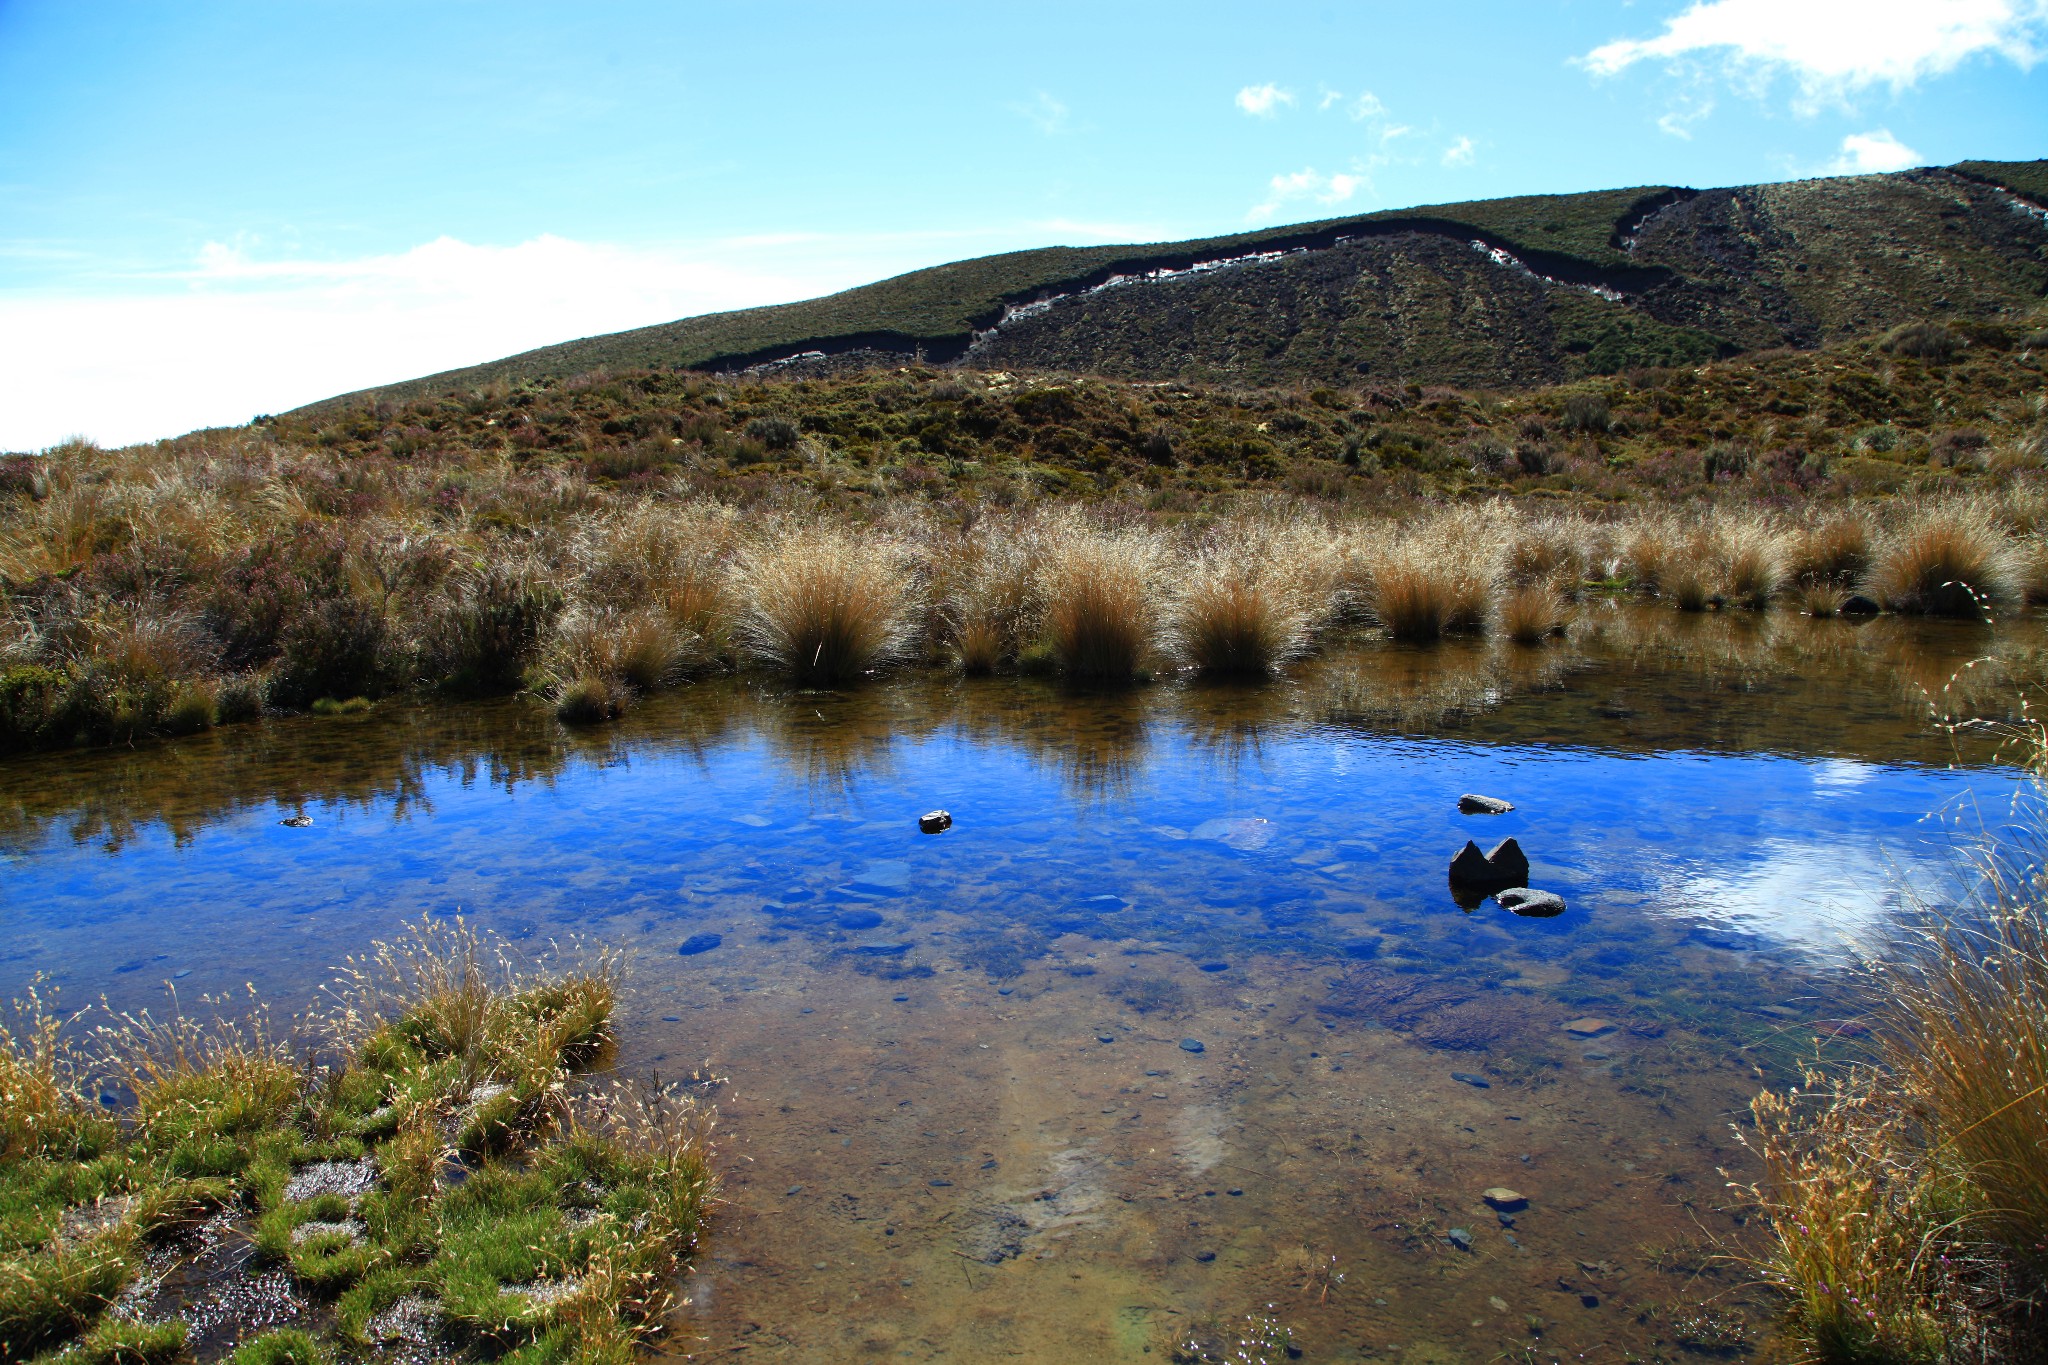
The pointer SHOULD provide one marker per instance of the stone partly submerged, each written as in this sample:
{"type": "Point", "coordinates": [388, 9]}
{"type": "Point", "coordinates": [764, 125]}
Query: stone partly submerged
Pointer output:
{"type": "Point", "coordinates": [1504, 867]}
{"type": "Point", "coordinates": [935, 821]}
{"type": "Point", "coordinates": [1470, 804]}
{"type": "Point", "coordinates": [1505, 1200]}
{"type": "Point", "coordinates": [1531, 903]}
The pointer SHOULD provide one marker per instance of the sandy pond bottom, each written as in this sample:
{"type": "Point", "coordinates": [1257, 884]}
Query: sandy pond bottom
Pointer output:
{"type": "Point", "coordinates": [967, 1175]}
{"type": "Point", "coordinates": [957, 1119]}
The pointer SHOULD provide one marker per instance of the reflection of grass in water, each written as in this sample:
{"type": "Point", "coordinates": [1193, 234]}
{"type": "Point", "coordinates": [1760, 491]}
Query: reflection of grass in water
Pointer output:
{"type": "Point", "coordinates": [433, 1152]}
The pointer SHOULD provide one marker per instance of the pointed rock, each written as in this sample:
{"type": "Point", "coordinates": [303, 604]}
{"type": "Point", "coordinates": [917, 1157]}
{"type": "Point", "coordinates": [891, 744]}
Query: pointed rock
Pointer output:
{"type": "Point", "coordinates": [1471, 866]}
{"type": "Point", "coordinates": [1510, 864]}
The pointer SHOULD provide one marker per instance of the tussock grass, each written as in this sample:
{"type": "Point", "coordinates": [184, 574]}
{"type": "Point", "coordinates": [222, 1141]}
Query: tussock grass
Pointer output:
{"type": "Point", "coordinates": [1945, 561]}
{"type": "Point", "coordinates": [1231, 622]}
{"type": "Point", "coordinates": [1835, 550]}
{"type": "Point", "coordinates": [1909, 1196]}
{"type": "Point", "coordinates": [824, 605]}
{"type": "Point", "coordinates": [1438, 581]}
{"type": "Point", "coordinates": [1532, 614]}
{"type": "Point", "coordinates": [1101, 613]}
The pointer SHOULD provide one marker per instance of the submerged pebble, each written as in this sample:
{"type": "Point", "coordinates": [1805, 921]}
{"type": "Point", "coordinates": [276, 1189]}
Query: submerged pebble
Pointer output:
{"type": "Point", "coordinates": [860, 919]}
{"type": "Point", "coordinates": [1469, 1079]}
{"type": "Point", "coordinates": [1192, 1045]}
{"type": "Point", "coordinates": [1215, 966]}
{"type": "Point", "coordinates": [699, 943]}
{"type": "Point", "coordinates": [1459, 1238]}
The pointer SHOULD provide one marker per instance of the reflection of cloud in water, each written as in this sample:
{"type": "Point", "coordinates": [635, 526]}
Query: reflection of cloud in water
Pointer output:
{"type": "Point", "coordinates": [1839, 773]}
{"type": "Point", "coordinates": [1831, 899]}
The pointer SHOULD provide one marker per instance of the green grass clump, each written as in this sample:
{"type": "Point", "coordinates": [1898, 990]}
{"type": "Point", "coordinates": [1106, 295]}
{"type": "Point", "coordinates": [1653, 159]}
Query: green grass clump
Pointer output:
{"type": "Point", "coordinates": [579, 1208]}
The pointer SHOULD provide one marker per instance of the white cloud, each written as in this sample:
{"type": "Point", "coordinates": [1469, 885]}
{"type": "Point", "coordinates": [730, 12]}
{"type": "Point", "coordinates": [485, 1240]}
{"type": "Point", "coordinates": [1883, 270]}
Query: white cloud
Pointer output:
{"type": "Point", "coordinates": [238, 332]}
{"type": "Point", "coordinates": [1368, 106]}
{"type": "Point", "coordinates": [1049, 114]}
{"type": "Point", "coordinates": [1459, 153]}
{"type": "Point", "coordinates": [1874, 151]}
{"type": "Point", "coordinates": [1263, 101]}
{"type": "Point", "coordinates": [1307, 184]}
{"type": "Point", "coordinates": [1329, 98]}
{"type": "Point", "coordinates": [1836, 47]}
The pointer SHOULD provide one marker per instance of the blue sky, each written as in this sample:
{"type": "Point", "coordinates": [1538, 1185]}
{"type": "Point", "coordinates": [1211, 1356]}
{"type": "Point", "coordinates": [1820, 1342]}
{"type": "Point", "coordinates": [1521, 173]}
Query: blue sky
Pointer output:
{"type": "Point", "coordinates": [212, 209]}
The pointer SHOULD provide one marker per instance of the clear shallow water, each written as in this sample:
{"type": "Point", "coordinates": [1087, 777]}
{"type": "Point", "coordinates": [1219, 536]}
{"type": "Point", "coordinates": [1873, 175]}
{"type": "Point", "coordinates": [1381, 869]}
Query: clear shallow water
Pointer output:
{"type": "Point", "coordinates": [962, 1053]}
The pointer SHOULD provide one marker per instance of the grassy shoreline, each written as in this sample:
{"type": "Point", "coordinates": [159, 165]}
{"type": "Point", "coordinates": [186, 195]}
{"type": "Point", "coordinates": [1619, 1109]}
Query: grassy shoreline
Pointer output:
{"type": "Point", "coordinates": [427, 1174]}
{"type": "Point", "coordinates": [599, 539]}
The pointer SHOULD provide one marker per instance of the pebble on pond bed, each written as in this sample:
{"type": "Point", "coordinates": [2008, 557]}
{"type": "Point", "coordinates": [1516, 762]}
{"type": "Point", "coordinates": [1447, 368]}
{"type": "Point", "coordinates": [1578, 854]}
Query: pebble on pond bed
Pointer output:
{"type": "Point", "coordinates": [1192, 1045]}
{"type": "Point", "coordinates": [699, 943]}
{"type": "Point", "coordinates": [1504, 1199]}
{"type": "Point", "coordinates": [1589, 1027]}
{"type": "Point", "coordinates": [1468, 1078]}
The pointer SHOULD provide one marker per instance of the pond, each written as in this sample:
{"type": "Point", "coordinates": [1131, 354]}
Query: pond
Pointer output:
{"type": "Point", "coordinates": [1180, 1021]}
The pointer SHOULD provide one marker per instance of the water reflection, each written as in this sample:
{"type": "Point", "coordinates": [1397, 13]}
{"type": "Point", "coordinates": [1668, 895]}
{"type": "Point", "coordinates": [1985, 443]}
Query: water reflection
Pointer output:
{"type": "Point", "coordinates": [988, 1022]}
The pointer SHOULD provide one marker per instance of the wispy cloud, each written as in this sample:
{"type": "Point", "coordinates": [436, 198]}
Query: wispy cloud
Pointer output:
{"type": "Point", "coordinates": [1367, 106]}
{"type": "Point", "coordinates": [1459, 153]}
{"type": "Point", "coordinates": [1872, 152]}
{"type": "Point", "coordinates": [1309, 184]}
{"type": "Point", "coordinates": [1835, 48]}
{"type": "Point", "coordinates": [1678, 120]}
{"type": "Point", "coordinates": [1264, 101]}
{"type": "Point", "coordinates": [1046, 113]}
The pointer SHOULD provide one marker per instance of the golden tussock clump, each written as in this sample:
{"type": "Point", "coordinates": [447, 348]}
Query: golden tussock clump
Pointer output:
{"type": "Point", "coordinates": [1101, 613]}
{"type": "Point", "coordinates": [1947, 561]}
{"type": "Point", "coordinates": [822, 604]}
{"type": "Point", "coordinates": [1532, 613]}
{"type": "Point", "coordinates": [1424, 592]}
{"type": "Point", "coordinates": [1833, 550]}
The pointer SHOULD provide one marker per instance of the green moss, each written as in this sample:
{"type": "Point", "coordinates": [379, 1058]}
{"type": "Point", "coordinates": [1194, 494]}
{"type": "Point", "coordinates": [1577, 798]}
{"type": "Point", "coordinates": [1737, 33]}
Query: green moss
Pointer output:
{"type": "Point", "coordinates": [287, 1346]}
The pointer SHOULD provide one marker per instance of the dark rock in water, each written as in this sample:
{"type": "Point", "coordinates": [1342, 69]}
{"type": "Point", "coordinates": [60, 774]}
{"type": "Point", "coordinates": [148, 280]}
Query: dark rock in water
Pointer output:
{"type": "Point", "coordinates": [1534, 904]}
{"type": "Point", "coordinates": [1105, 1037]}
{"type": "Point", "coordinates": [1459, 1238]}
{"type": "Point", "coordinates": [1505, 866]}
{"type": "Point", "coordinates": [699, 943]}
{"type": "Point", "coordinates": [859, 919]}
{"type": "Point", "coordinates": [935, 822]}
{"type": "Point", "coordinates": [1470, 804]}
{"type": "Point", "coordinates": [1215, 966]}
{"type": "Point", "coordinates": [900, 999]}
{"type": "Point", "coordinates": [881, 949]}
{"type": "Point", "coordinates": [1469, 1079]}
{"type": "Point", "coordinates": [1192, 1045]}
{"type": "Point", "coordinates": [296, 821]}
{"type": "Point", "coordinates": [1856, 604]}
{"type": "Point", "coordinates": [1205, 1256]}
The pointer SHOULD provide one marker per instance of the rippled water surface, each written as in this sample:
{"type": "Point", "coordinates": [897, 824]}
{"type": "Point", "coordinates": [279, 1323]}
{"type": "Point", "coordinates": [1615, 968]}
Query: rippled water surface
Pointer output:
{"type": "Point", "coordinates": [1180, 1019]}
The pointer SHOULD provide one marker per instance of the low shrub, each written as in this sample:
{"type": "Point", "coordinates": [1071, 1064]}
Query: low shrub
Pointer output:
{"type": "Point", "coordinates": [1923, 341]}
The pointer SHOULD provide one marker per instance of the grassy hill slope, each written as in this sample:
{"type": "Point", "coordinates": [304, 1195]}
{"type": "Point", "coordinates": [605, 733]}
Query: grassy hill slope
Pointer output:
{"type": "Point", "coordinates": [1588, 283]}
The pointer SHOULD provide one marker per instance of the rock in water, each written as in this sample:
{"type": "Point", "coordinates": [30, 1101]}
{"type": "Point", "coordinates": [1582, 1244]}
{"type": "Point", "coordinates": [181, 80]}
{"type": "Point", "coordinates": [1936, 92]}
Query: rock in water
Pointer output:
{"type": "Point", "coordinates": [1476, 1082]}
{"type": "Point", "coordinates": [1470, 804]}
{"type": "Point", "coordinates": [297, 821]}
{"type": "Point", "coordinates": [1459, 1238]}
{"type": "Point", "coordinates": [1509, 863]}
{"type": "Point", "coordinates": [1505, 1200]}
{"type": "Point", "coordinates": [1470, 865]}
{"type": "Point", "coordinates": [1856, 604]}
{"type": "Point", "coordinates": [935, 822]}
{"type": "Point", "coordinates": [1534, 904]}
{"type": "Point", "coordinates": [1589, 1027]}
{"type": "Point", "coordinates": [1505, 866]}
{"type": "Point", "coordinates": [699, 943]}
{"type": "Point", "coordinates": [1192, 1045]}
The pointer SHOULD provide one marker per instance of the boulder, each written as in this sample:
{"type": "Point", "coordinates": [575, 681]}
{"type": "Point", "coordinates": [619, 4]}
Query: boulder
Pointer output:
{"type": "Point", "coordinates": [1470, 804]}
{"type": "Point", "coordinates": [935, 822]}
{"type": "Point", "coordinates": [1534, 904]}
{"type": "Point", "coordinates": [1856, 604]}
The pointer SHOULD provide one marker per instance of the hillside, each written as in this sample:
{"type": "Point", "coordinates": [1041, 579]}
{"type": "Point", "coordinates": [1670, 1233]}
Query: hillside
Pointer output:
{"type": "Point", "coordinates": [1497, 293]}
